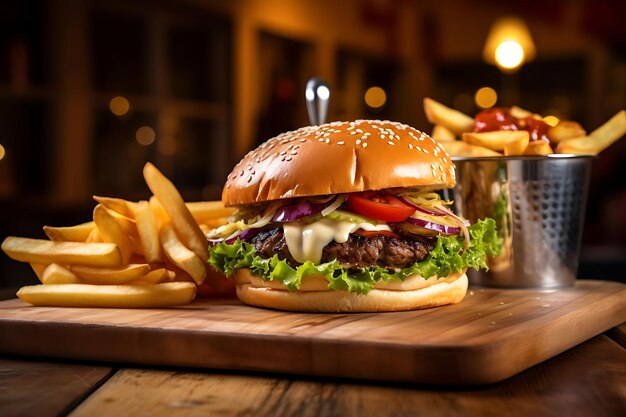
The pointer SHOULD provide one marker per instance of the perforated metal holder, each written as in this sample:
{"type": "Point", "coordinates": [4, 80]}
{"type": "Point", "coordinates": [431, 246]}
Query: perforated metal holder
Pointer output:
{"type": "Point", "coordinates": [538, 203]}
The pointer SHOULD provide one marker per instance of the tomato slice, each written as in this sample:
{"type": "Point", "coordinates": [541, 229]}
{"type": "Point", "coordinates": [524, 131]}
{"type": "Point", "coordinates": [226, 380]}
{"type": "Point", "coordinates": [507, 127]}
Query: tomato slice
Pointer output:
{"type": "Point", "coordinates": [373, 233]}
{"type": "Point", "coordinates": [379, 206]}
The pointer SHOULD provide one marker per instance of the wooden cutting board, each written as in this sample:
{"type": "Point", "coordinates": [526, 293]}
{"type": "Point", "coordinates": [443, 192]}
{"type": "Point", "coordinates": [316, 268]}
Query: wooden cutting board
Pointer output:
{"type": "Point", "coordinates": [492, 335]}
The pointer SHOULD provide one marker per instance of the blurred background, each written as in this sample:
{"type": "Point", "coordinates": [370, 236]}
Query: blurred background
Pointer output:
{"type": "Point", "coordinates": [92, 89]}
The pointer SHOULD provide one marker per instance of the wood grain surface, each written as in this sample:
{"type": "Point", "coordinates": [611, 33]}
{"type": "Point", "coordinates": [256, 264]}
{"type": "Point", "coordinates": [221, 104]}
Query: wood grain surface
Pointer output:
{"type": "Point", "coordinates": [492, 335]}
{"type": "Point", "coordinates": [45, 389]}
{"type": "Point", "coordinates": [588, 380]}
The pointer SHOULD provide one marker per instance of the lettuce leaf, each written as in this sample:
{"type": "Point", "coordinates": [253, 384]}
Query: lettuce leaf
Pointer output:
{"type": "Point", "coordinates": [446, 257]}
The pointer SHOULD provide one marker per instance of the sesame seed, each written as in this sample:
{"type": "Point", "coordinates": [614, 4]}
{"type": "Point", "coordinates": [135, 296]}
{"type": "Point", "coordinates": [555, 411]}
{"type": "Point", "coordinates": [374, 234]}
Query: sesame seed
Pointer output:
{"type": "Point", "coordinates": [320, 140]}
{"type": "Point", "coordinates": [364, 145]}
{"type": "Point", "coordinates": [289, 158]}
{"type": "Point", "coordinates": [391, 143]}
{"type": "Point", "coordinates": [354, 133]}
{"type": "Point", "coordinates": [249, 178]}
{"type": "Point", "coordinates": [283, 153]}
{"type": "Point", "coordinates": [303, 140]}
{"type": "Point", "coordinates": [410, 146]}
{"type": "Point", "coordinates": [327, 140]}
{"type": "Point", "coordinates": [340, 143]}
{"type": "Point", "coordinates": [358, 141]}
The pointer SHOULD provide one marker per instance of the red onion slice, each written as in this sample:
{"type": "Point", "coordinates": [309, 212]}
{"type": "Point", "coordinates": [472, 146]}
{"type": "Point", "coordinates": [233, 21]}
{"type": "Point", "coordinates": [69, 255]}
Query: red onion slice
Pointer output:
{"type": "Point", "coordinates": [298, 211]}
{"type": "Point", "coordinates": [419, 208]}
{"type": "Point", "coordinates": [438, 227]}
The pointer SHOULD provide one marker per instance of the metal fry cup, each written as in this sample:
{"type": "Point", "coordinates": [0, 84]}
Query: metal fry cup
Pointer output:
{"type": "Point", "coordinates": [538, 203]}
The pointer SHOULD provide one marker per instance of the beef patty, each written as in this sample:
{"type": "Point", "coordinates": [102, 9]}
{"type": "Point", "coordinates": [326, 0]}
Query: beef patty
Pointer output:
{"type": "Point", "coordinates": [357, 252]}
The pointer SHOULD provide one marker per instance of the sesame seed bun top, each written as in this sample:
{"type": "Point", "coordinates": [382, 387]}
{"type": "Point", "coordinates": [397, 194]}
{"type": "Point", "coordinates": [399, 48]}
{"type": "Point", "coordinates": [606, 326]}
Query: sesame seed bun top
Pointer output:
{"type": "Point", "coordinates": [339, 157]}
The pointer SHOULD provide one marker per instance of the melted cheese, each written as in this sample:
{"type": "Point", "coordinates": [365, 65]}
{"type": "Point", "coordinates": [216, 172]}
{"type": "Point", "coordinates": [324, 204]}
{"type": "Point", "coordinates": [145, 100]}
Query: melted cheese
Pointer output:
{"type": "Point", "coordinates": [306, 241]}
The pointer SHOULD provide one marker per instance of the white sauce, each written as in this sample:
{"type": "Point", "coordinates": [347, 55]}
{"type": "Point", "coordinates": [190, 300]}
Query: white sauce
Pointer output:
{"type": "Point", "coordinates": [306, 241]}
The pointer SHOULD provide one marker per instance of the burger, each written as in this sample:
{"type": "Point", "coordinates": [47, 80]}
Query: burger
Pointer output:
{"type": "Point", "coordinates": [344, 217]}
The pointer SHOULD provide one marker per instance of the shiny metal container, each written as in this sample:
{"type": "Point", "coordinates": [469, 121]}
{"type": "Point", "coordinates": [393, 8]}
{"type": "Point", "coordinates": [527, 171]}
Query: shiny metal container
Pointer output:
{"type": "Point", "coordinates": [538, 203]}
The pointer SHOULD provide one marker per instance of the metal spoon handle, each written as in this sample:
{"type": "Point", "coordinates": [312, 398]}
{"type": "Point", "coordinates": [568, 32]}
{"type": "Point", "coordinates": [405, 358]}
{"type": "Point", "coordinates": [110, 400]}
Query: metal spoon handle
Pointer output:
{"type": "Point", "coordinates": [317, 96]}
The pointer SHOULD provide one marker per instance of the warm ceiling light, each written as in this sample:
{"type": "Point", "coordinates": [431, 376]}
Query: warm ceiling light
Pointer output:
{"type": "Point", "coordinates": [509, 55]}
{"type": "Point", "coordinates": [145, 135]}
{"type": "Point", "coordinates": [375, 97]}
{"type": "Point", "coordinates": [119, 106]}
{"type": "Point", "coordinates": [509, 44]}
{"type": "Point", "coordinates": [551, 120]}
{"type": "Point", "coordinates": [2, 152]}
{"type": "Point", "coordinates": [485, 97]}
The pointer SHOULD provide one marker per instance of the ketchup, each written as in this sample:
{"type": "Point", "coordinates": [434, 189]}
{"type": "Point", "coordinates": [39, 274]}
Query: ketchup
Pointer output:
{"type": "Point", "coordinates": [499, 118]}
{"type": "Point", "coordinates": [496, 118]}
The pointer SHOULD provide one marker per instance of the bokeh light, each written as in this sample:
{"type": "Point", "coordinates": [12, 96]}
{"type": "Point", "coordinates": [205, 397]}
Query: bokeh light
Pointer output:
{"type": "Point", "coordinates": [119, 106]}
{"type": "Point", "coordinates": [375, 97]}
{"type": "Point", "coordinates": [145, 135]}
{"type": "Point", "coordinates": [509, 54]}
{"type": "Point", "coordinates": [485, 97]}
{"type": "Point", "coordinates": [2, 152]}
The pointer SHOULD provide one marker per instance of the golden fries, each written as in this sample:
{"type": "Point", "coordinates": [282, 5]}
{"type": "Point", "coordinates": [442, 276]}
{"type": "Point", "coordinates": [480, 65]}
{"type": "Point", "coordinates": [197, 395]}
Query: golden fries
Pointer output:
{"type": "Point", "coordinates": [112, 232]}
{"type": "Point", "coordinates": [567, 136]}
{"type": "Point", "coordinates": [207, 211]}
{"type": "Point", "coordinates": [78, 233]}
{"type": "Point", "coordinates": [439, 114]}
{"type": "Point", "coordinates": [599, 139]}
{"type": "Point", "coordinates": [64, 253]}
{"type": "Point", "coordinates": [538, 147]}
{"type": "Point", "coordinates": [56, 274]}
{"type": "Point", "coordinates": [495, 140]}
{"type": "Point", "coordinates": [121, 296]}
{"type": "Point", "coordinates": [443, 134]}
{"type": "Point", "coordinates": [148, 230]}
{"type": "Point", "coordinates": [122, 207]}
{"type": "Point", "coordinates": [38, 269]}
{"type": "Point", "coordinates": [180, 256]}
{"type": "Point", "coordinates": [182, 220]}
{"type": "Point", "coordinates": [565, 130]}
{"type": "Point", "coordinates": [127, 253]}
{"type": "Point", "coordinates": [110, 276]}
{"type": "Point", "coordinates": [459, 148]}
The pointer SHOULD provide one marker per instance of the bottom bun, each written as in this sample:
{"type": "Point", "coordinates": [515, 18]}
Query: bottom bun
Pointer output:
{"type": "Point", "coordinates": [329, 301]}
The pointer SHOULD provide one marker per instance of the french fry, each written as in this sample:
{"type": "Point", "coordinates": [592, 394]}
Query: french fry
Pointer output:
{"type": "Point", "coordinates": [203, 211]}
{"type": "Point", "coordinates": [439, 114]}
{"type": "Point", "coordinates": [538, 147]}
{"type": "Point", "coordinates": [65, 253]}
{"type": "Point", "coordinates": [180, 256]}
{"type": "Point", "coordinates": [460, 148]}
{"type": "Point", "coordinates": [78, 233]}
{"type": "Point", "coordinates": [516, 145]}
{"type": "Point", "coordinates": [117, 296]}
{"type": "Point", "coordinates": [120, 206]}
{"type": "Point", "coordinates": [56, 274]}
{"type": "Point", "coordinates": [38, 269]}
{"type": "Point", "coordinates": [565, 130]}
{"type": "Point", "coordinates": [182, 220]}
{"type": "Point", "coordinates": [112, 232]}
{"type": "Point", "coordinates": [94, 237]}
{"type": "Point", "coordinates": [148, 230]}
{"type": "Point", "coordinates": [159, 212]}
{"type": "Point", "coordinates": [521, 113]}
{"type": "Point", "coordinates": [496, 139]}
{"type": "Point", "coordinates": [442, 134]}
{"type": "Point", "coordinates": [112, 276]}
{"type": "Point", "coordinates": [599, 139]}
{"type": "Point", "coordinates": [154, 277]}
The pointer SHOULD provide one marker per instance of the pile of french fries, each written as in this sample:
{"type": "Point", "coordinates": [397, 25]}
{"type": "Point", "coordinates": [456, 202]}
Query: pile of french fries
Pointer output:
{"type": "Point", "coordinates": [568, 137]}
{"type": "Point", "coordinates": [150, 253]}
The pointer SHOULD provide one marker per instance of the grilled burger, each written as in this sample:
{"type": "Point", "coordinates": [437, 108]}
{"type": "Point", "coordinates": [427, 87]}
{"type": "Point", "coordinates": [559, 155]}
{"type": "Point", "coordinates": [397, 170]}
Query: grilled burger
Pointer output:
{"type": "Point", "coordinates": [343, 217]}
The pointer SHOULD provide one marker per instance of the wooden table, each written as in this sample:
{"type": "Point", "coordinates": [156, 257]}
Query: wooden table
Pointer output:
{"type": "Point", "coordinates": [587, 380]}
